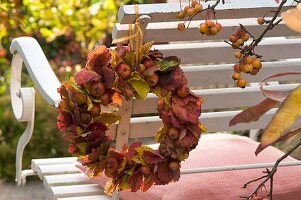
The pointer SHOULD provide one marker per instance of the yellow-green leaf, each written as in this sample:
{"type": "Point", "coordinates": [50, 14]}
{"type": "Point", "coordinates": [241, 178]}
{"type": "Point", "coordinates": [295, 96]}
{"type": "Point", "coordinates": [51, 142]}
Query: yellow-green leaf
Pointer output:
{"type": "Point", "coordinates": [124, 184]}
{"type": "Point", "coordinates": [166, 98]}
{"type": "Point", "coordinates": [140, 150]}
{"type": "Point", "coordinates": [285, 117]}
{"type": "Point", "coordinates": [129, 58]}
{"type": "Point", "coordinates": [138, 159]}
{"type": "Point", "coordinates": [90, 104]}
{"type": "Point", "coordinates": [140, 85]}
{"type": "Point", "coordinates": [146, 47]}
{"type": "Point", "coordinates": [161, 133]}
{"type": "Point", "coordinates": [107, 118]}
{"type": "Point", "coordinates": [122, 165]}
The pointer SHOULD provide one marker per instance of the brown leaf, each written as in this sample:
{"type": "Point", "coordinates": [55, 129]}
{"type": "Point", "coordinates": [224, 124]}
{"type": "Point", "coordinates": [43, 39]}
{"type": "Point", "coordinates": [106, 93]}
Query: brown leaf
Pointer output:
{"type": "Point", "coordinates": [84, 75]}
{"type": "Point", "coordinates": [276, 95]}
{"type": "Point", "coordinates": [152, 157]}
{"type": "Point", "coordinates": [253, 113]}
{"type": "Point", "coordinates": [147, 183]}
{"type": "Point", "coordinates": [135, 181]}
{"type": "Point", "coordinates": [282, 138]}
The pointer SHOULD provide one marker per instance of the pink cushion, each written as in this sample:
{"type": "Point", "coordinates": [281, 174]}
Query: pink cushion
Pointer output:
{"type": "Point", "coordinates": [219, 150]}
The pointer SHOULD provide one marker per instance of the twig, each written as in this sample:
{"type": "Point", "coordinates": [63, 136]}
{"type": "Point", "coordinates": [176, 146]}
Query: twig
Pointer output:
{"type": "Point", "coordinates": [270, 174]}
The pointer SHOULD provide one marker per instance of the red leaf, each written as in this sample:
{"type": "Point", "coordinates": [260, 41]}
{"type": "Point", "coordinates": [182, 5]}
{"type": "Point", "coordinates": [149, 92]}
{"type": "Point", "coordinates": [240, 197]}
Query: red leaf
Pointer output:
{"type": "Point", "coordinates": [163, 174]}
{"type": "Point", "coordinates": [109, 76]}
{"type": "Point", "coordinates": [254, 113]}
{"type": "Point", "coordinates": [84, 76]}
{"type": "Point", "coordinates": [276, 95]}
{"type": "Point", "coordinates": [132, 149]}
{"type": "Point", "coordinates": [147, 183]}
{"type": "Point", "coordinates": [135, 181]}
{"type": "Point", "coordinates": [64, 121]}
{"type": "Point", "coordinates": [282, 138]}
{"type": "Point", "coordinates": [99, 58]}
{"type": "Point", "coordinates": [152, 157]}
{"type": "Point", "coordinates": [187, 141]}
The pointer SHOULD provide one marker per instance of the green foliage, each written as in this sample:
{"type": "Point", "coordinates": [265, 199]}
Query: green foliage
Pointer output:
{"type": "Point", "coordinates": [46, 140]}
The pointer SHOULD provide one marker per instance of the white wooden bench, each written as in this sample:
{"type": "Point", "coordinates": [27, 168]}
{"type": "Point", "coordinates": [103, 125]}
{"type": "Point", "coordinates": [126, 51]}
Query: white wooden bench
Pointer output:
{"type": "Point", "coordinates": [206, 61]}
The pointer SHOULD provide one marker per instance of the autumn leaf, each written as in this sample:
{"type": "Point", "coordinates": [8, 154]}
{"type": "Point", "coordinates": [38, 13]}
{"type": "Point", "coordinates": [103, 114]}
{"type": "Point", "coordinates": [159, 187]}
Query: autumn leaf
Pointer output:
{"type": "Point", "coordinates": [152, 157]}
{"type": "Point", "coordinates": [140, 85]}
{"type": "Point", "coordinates": [135, 181]}
{"type": "Point", "coordinates": [147, 183]}
{"type": "Point", "coordinates": [129, 58]}
{"type": "Point", "coordinates": [282, 138]}
{"type": "Point", "coordinates": [275, 94]}
{"type": "Point", "coordinates": [146, 47]}
{"type": "Point", "coordinates": [84, 76]}
{"type": "Point", "coordinates": [253, 113]}
{"type": "Point", "coordinates": [287, 114]}
{"type": "Point", "coordinates": [116, 99]}
{"type": "Point", "coordinates": [107, 118]}
{"type": "Point", "coordinates": [167, 98]}
{"type": "Point", "coordinates": [132, 149]}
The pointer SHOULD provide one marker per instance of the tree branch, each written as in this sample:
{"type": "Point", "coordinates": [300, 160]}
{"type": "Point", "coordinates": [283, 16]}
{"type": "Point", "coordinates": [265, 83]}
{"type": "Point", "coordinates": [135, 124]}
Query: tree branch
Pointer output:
{"type": "Point", "coordinates": [270, 174]}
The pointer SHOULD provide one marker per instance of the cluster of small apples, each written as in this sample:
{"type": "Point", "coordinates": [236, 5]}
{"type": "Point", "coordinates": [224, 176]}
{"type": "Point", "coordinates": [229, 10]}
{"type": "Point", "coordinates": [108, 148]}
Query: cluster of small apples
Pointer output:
{"type": "Point", "coordinates": [124, 71]}
{"type": "Point", "coordinates": [239, 38]}
{"type": "Point", "coordinates": [191, 10]}
{"type": "Point", "coordinates": [210, 28]}
{"type": "Point", "coordinates": [149, 76]}
{"type": "Point", "coordinates": [247, 64]}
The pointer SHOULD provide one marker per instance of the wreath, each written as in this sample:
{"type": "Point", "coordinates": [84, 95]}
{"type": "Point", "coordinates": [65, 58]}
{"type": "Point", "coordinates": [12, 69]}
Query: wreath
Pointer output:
{"type": "Point", "coordinates": [89, 102]}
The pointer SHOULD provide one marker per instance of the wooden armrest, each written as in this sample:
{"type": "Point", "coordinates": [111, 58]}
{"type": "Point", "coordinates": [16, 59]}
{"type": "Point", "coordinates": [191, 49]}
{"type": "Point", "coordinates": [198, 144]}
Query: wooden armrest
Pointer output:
{"type": "Point", "coordinates": [28, 50]}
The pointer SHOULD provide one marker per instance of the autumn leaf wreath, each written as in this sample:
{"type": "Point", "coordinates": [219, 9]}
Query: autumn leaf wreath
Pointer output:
{"type": "Point", "coordinates": [86, 111]}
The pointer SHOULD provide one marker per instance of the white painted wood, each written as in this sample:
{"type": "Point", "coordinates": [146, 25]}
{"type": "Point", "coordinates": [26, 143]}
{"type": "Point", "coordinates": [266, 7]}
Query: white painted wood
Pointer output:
{"type": "Point", "coordinates": [38, 67]}
{"type": "Point", "coordinates": [75, 190]}
{"type": "Point", "coordinates": [65, 179]}
{"type": "Point", "coordinates": [233, 9]}
{"type": "Point", "coordinates": [51, 161]}
{"type": "Point", "coordinates": [167, 32]}
{"type": "Point", "coordinates": [214, 122]}
{"type": "Point", "coordinates": [92, 197]}
{"type": "Point", "coordinates": [57, 169]}
{"type": "Point", "coordinates": [232, 98]}
{"type": "Point", "coordinates": [220, 52]}
{"type": "Point", "coordinates": [206, 75]}
{"type": "Point", "coordinates": [238, 167]}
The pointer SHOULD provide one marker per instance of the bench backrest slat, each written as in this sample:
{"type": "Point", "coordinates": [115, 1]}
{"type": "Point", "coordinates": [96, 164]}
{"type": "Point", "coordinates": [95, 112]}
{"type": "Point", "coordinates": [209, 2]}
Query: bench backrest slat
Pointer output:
{"type": "Point", "coordinates": [233, 9]}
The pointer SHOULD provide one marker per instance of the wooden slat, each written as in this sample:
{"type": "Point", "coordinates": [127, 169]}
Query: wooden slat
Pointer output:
{"type": "Point", "coordinates": [76, 190]}
{"type": "Point", "coordinates": [205, 75]}
{"type": "Point", "coordinates": [50, 161]}
{"type": "Point", "coordinates": [233, 9]}
{"type": "Point", "coordinates": [220, 52]}
{"type": "Point", "coordinates": [231, 98]}
{"type": "Point", "coordinates": [65, 179]}
{"type": "Point", "coordinates": [57, 169]}
{"type": "Point", "coordinates": [214, 121]}
{"type": "Point", "coordinates": [93, 197]}
{"type": "Point", "coordinates": [167, 32]}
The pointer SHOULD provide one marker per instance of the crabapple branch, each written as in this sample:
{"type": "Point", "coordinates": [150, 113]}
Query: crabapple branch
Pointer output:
{"type": "Point", "coordinates": [270, 175]}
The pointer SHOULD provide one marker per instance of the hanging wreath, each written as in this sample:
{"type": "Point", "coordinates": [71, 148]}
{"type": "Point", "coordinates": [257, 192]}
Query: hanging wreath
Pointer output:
{"type": "Point", "coordinates": [89, 102]}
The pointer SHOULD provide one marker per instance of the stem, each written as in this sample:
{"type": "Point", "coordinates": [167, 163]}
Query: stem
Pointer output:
{"type": "Point", "coordinates": [270, 174]}
{"type": "Point", "coordinates": [270, 26]}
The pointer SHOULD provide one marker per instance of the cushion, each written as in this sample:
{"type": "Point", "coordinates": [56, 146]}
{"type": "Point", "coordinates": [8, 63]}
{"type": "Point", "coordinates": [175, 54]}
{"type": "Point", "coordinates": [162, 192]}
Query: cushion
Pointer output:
{"type": "Point", "coordinates": [221, 150]}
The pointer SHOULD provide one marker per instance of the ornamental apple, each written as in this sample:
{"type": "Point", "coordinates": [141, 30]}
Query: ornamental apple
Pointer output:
{"type": "Point", "coordinates": [123, 70]}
